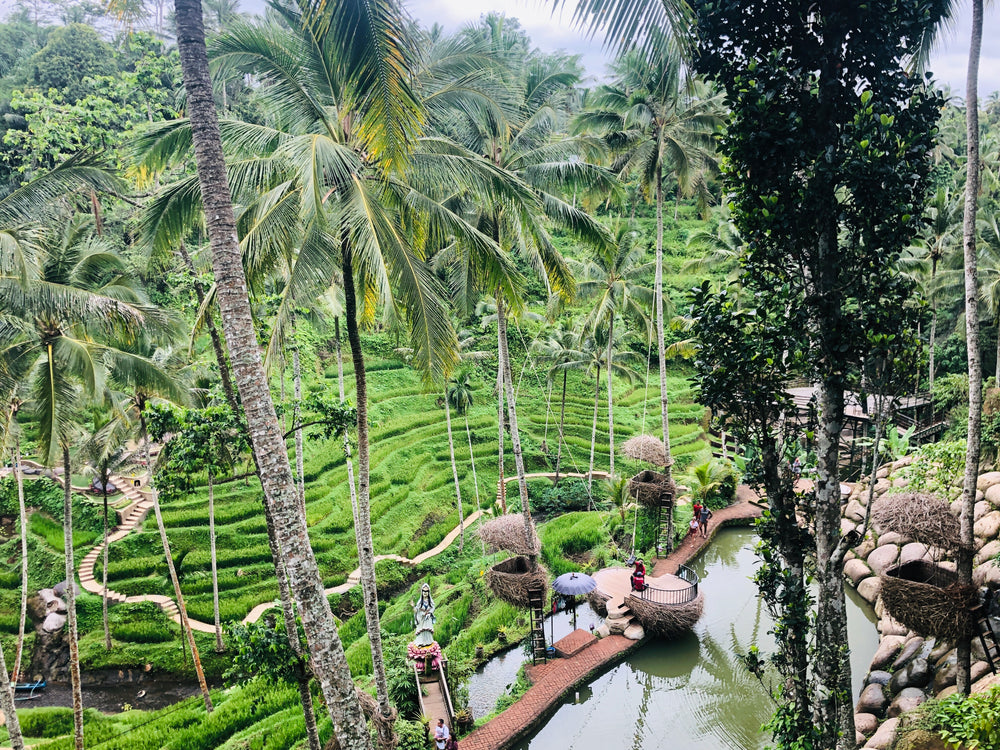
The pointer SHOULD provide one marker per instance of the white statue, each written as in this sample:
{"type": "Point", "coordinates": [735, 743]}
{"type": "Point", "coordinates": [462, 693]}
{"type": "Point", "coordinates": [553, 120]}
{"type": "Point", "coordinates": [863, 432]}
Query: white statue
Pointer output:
{"type": "Point", "coordinates": [423, 617]}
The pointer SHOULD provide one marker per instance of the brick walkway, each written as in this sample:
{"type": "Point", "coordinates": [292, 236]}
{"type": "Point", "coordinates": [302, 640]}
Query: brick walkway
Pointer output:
{"type": "Point", "coordinates": [550, 682]}
{"type": "Point", "coordinates": [554, 680]}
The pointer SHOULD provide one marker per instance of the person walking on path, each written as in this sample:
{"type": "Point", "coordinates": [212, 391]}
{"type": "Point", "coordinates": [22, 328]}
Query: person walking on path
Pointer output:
{"type": "Point", "coordinates": [441, 735]}
{"type": "Point", "coordinates": [703, 517]}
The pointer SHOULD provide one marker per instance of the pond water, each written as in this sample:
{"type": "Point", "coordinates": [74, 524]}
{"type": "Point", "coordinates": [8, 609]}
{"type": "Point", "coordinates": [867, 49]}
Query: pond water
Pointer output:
{"type": "Point", "coordinates": [692, 690]}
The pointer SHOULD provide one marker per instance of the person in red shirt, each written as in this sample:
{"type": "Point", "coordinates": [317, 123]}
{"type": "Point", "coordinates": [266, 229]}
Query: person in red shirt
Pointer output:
{"type": "Point", "coordinates": [639, 576]}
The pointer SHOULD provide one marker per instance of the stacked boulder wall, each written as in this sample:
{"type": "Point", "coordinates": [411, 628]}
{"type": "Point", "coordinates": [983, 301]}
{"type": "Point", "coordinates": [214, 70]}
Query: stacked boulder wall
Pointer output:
{"type": "Point", "coordinates": [666, 621]}
{"type": "Point", "coordinates": [510, 580]}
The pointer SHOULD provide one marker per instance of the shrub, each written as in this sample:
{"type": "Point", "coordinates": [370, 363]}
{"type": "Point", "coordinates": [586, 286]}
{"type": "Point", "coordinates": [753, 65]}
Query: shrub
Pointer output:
{"type": "Point", "coordinates": [46, 722]}
{"type": "Point", "coordinates": [971, 721]}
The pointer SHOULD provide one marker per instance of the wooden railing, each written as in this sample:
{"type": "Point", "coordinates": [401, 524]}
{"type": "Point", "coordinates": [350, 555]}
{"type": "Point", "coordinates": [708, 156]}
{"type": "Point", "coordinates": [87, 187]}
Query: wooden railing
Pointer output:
{"type": "Point", "coordinates": [673, 597]}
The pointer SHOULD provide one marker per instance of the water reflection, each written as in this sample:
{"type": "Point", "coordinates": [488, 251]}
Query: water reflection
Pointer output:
{"type": "Point", "coordinates": [691, 693]}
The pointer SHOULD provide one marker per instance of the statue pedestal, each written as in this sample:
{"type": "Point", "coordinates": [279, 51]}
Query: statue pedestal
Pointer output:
{"type": "Point", "coordinates": [428, 658]}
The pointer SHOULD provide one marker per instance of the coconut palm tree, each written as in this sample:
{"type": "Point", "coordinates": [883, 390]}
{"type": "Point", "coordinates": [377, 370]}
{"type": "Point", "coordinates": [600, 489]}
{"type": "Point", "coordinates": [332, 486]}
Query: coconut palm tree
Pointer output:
{"type": "Point", "coordinates": [561, 346]}
{"type": "Point", "coordinates": [65, 333]}
{"type": "Point", "coordinates": [612, 280]}
{"type": "Point", "coordinates": [658, 124]}
{"type": "Point", "coordinates": [11, 438]}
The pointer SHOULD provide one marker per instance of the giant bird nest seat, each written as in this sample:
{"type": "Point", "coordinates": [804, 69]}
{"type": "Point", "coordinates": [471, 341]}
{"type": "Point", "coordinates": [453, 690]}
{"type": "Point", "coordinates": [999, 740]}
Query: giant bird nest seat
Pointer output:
{"type": "Point", "coordinates": [670, 621]}
{"type": "Point", "coordinates": [507, 533]}
{"type": "Point", "coordinates": [921, 517]}
{"type": "Point", "coordinates": [512, 579]}
{"type": "Point", "coordinates": [929, 599]}
{"type": "Point", "coordinates": [652, 488]}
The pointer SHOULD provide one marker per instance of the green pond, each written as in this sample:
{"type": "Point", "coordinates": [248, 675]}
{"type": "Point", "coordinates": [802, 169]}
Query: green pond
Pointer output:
{"type": "Point", "coordinates": [692, 693]}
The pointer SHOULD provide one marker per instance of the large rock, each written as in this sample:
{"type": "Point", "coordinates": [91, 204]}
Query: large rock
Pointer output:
{"type": "Point", "coordinates": [866, 724]}
{"type": "Point", "coordinates": [888, 647]}
{"type": "Point", "coordinates": [856, 570]}
{"type": "Point", "coordinates": [879, 677]}
{"type": "Point", "coordinates": [912, 552]}
{"type": "Point", "coordinates": [979, 670]}
{"type": "Point", "coordinates": [855, 511]}
{"type": "Point", "coordinates": [890, 537]}
{"type": "Point", "coordinates": [634, 632]}
{"type": "Point", "coordinates": [988, 526]}
{"type": "Point", "coordinates": [916, 674]}
{"type": "Point", "coordinates": [992, 495]}
{"type": "Point", "coordinates": [987, 480]}
{"type": "Point", "coordinates": [883, 557]}
{"type": "Point", "coordinates": [883, 738]}
{"type": "Point", "coordinates": [909, 650]}
{"type": "Point", "coordinates": [847, 526]}
{"type": "Point", "coordinates": [870, 588]}
{"type": "Point", "coordinates": [988, 551]}
{"type": "Point", "coordinates": [881, 486]}
{"type": "Point", "coordinates": [981, 509]}
{"type": "Point", "coordinates": [888, 626]}
{"type": "Point", "coordinates": [901, 704]}
{"type": "Point", "coordinates": [987, 574]}
{"type": "Point", "coordinates": [921, 739]}
{"type": "Point", "coordinates": [867, 545]}
{"type": "Point", "coordinates": [946, 675]}
{"type": "Point", "coordinates": [54, 622]}
{"type": "Point", "coordinates": [873, 700]}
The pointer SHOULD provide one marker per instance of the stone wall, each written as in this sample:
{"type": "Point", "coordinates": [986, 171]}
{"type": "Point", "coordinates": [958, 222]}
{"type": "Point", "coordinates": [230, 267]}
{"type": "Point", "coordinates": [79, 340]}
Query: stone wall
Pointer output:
{"type": "Point", "coordinates": [908, 668]}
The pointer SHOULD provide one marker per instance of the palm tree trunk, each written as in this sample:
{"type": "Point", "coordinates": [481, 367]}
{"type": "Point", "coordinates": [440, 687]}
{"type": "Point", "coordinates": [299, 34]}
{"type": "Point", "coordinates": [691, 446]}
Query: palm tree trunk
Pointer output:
{"type": "Point", "coordinates": [326, 650]}
{"type": "Point", "coordinates": [515, 438]}
{"type": "Point", "coordinates": [300, 473]}
{"type": "Point", "coordinates": [500, 419]}
{"type": "Point", "coordinates": [8, 708]}
{"type": "Point", "coordinates": [593, 433]}
{"type": "Point", "coordinates": [661, 348]}
{"type": "Point", "coordinates": [74, 646]}
{"type": "Point", "coordinates": [219, 645]}
{"type": "Point", "coordinates": [562, 424]}
{"type": "Point", "coordinates": [213, 334]}
{"type": "Point", "coordinates": [475, 479]}
{"type": "Point", "coordinates": [347, 440]}
{"type": "Point", "coordinates": [104, 565]}
{"type": "Point", "coordinates": [930, 343]}
{"type": "Point", "coordinates": [454, 471]}
{"type": "Point", "coordinates": [23, 517]}
{"type": "Point", "coordinates": [611, 402]}
{"type": "Point", "coordinates": [172, 571]}
{"type": "Point", "coordinates": [972, 450]}
{"type": "Point", "coordinates": [363, 529]}
{"type": "Point", "coordinates": [548, 409]}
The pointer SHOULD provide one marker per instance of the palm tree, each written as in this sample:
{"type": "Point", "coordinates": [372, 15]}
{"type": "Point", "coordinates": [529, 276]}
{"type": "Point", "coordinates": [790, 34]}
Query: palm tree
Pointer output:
{"type": "Point", "coordinates": [354, 155]}
{"type": "Point", "coordinates": [560, 347]}
{"type": "Point", "coordinates": [612, 279]}
{"type": "Point", "coordinates": [989, 273]}
{"type": "Point", "coordinates": [454, 466]}
{"type": "Point", "coordinates": [657, 123]}
{"type": "Point", "coordinates": [972, 451]}
{"type": "Point", "coordinates": [66, 330]}
{"type": "Point", "coordinates": [11, 434]}
{"type": "Point", "coordinates": [103, 454]}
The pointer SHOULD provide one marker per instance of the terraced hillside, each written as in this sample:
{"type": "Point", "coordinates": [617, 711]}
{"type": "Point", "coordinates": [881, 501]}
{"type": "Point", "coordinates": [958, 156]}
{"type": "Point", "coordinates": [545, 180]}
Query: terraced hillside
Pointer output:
{"type": "Point", "coordinates": [413, 499]}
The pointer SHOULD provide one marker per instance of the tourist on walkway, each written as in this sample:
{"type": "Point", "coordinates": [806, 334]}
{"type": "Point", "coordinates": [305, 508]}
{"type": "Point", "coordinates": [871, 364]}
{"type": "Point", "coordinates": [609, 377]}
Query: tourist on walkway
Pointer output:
{"type": "Point", "coordinates": [441, 735]}
{"type": "Point", "coordinates": [703, 517]}
{"type": "Point", "coordinates": [796, 469]}
{"type": "Point", "coordinates": [639, 576]}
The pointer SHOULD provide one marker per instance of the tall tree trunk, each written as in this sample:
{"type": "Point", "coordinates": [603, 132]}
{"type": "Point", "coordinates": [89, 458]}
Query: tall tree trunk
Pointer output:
{"type": "Point", "coordinates": [347, 440]}
{"type": "Point", "coordinates": [363, 529]}
{"type": "Point", "coordinates": [661, 347]}
{"type": "Point", "coordinates": [930, 343]}
{"type": "Point", "coordinates": [515, 437]}
{"type": "Point", "coordinates": [548, 410]}
{"type": "Point", "coordinates": [219, 645]}
{"type": "Point", "coordinates": [172, 571]}
{"type": "Point", "coordinates": [71, 629]}
{"type": "Point", "coordinates": [593, 433]}
{"type": "Point", "coordinates": [23, 518]}
{"type": "Point", "coordinates": [454, 471]}
{"type": "Point", "coordinates": [213, 333]}
{"type": "Point", "coordinates": [326, 650]}
{"type": "Point", "coordinates": [104, 565]}
{"type": "Point", "coordinates": [611, 401]}
{"type": "Point", "coordinates": [501, 418]}
{"type": "Point", "coordinates": [972, 450]}
{"type": "Point", "coordinates": [300, 472]}
{"type": "Point", "coordinates": [562, 424]}
{"type": "Point", "coordinates": [475, 479]}
{"type": "Point", "coordinates": [8, 708]}
{"type": "Point", "coordinates": [834, 709]}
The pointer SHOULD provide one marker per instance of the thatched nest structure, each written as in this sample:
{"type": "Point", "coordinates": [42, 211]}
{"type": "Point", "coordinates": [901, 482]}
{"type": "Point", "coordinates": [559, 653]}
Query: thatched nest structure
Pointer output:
{"type": "Point", "coordinates": [507, 533]}
{"type": "Point", "coordinates": [512, 579]}
{"type": "Point", "coordinates": [645, 448]}
{"type": "Point", "coordinates": [929, 599]}
{"type": "Point", "coordinates": [666, 621]}
{"type": "Point", "coordinates": [921, 517]}
{"type": "Point", "coordinates": [651, 488]}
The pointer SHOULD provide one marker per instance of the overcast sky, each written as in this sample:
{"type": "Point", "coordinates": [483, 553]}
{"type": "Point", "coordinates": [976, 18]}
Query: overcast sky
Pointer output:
{"type": "Point", "coordinates": [552, 32]}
